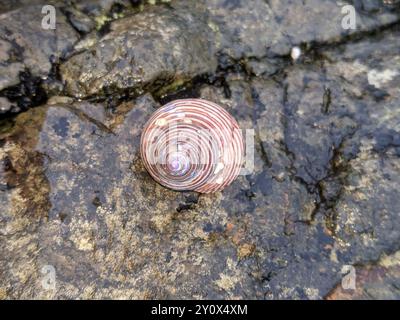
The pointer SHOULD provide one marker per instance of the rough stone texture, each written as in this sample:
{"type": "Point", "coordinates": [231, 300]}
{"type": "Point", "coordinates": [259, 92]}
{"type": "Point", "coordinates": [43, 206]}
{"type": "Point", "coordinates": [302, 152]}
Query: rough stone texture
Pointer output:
{"type": "Point", "coordinates": [238, 29]}
{"type": "Point", "coordinates": [33, 45]}
{"type": "Point", "coordinates": [312, 21]}
{"type": "Point", "coordinates": [379, 281]}
{"type": "Point", "coordinates": [5, 105]}
{"type": "Point", "coordinates": [158, 45]}
{"type": "Point", "coordinates": [258, 28]}
{"type": "Point", "coordinates": [28, 52]}
{"type": "Point", "coordinates": [30, 55]}
{"type": "Point", "coordinates": [324, 192]}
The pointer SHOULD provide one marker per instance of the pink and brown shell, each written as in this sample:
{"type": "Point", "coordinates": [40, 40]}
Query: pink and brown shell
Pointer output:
{"type": "Point", "coordinates": [192, 144]}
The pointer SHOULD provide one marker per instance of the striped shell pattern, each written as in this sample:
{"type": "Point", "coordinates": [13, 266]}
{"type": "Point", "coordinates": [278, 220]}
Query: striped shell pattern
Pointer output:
{"type": "Point", "coordinates": [192, 144]}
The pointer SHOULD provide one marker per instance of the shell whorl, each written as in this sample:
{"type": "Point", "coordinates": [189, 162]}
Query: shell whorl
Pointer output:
{"type": "Point", "coordinates": [192, 144]}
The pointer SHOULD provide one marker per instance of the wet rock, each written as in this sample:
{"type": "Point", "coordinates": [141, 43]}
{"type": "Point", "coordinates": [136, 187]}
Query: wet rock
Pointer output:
{"type": "Point", "coordinates": [93, 203]}
{"type": "Point", "coordinates": [263, 28]}
{"type": "Point", "coordinates": [22, 29]}
{"type": "Point", "coordinates": [150, 49]}
{"type": "Point", "coordinates": [322, 192]}
{"type": "Point", "coordinates": [330, 146]}
{"type": "Point", "coordinates": [369, 199]}
{"type": "Point", "coordinates": [92, 218]}
{"type": "Point", "coordinates": [280, 211]}
{"type": "Point", "coordinates": [80, 21]}
{"type": "Point", "coordinates": [370, 68]}
{"type": "Point", "coordinates": [379, 281]}
{"type": "Point", "coordinates": [9, 5]}
{"type": "Point", "coordinates": [86, 16]}
{"type": "Point", "coordinates": [10, 75]}
{"type": "Point", "coordinates": [9, 71]}
{"type": "Point", "coordinates": [316, 21]}
{"type": "Point", "coordinates": [5, 105]}
{"type": "Point", "coordinates": [366, 213]}
{"type": "Point", "coordinates": [190, 35]}
{"type": "Point", "coordinates": [29, 92]}
{"type": "Point", "coordinates": [98, 9]}
{"type": "Point", "coordinates": [27, 54]}
{"type": "Point", "coordinates": [244, 28]}
{"type": "Point", "coordinates": [318, 117]}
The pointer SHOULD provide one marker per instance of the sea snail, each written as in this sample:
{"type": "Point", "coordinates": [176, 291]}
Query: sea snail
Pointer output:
{"type": "Point", "coordinates": [192, 145]}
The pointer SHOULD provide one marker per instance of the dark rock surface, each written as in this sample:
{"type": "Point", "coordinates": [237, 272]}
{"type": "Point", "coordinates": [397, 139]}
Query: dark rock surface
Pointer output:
{"type": "Point", "coordinates": [184, 30]}
{"type": "Point", "coordinates": [324, 192]}
{"type": "Point", "coordinates": [28, 52]}
{"type": "Point", "coordinates": [379, 281]}
{"type": "Point", "coordinates": [177, 38]}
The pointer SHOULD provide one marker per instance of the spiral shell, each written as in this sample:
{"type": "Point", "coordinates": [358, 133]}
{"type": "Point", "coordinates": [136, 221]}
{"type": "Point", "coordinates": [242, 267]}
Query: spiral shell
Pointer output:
{"type": "Point", "coordinates": [192, 144]}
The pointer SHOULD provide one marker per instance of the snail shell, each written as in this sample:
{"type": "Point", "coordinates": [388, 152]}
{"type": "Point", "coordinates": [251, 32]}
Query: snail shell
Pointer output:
{"type": "Point", "coordinates": [192, 144]}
